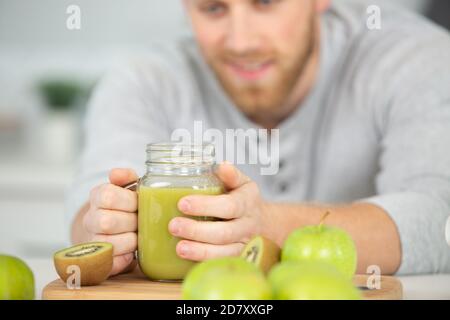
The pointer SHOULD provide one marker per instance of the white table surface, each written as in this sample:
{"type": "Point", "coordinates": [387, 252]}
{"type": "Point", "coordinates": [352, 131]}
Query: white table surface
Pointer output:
{"type": "Point", "coordinates": [414, 287]}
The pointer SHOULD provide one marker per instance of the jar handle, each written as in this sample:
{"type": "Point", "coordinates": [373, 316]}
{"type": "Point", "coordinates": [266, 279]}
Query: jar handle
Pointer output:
{"type": "Point", "coordinates": [132, 185]}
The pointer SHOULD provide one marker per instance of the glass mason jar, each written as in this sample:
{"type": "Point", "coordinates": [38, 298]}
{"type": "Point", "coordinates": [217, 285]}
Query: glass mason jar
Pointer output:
{"type": "Point", "coordinates": [173, 171]}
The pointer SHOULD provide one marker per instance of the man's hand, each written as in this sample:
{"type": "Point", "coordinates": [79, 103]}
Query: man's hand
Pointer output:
{"type": "Point", "coordinates": [242, 209]}
{"type": "Point", "coordinates": [111, 217]}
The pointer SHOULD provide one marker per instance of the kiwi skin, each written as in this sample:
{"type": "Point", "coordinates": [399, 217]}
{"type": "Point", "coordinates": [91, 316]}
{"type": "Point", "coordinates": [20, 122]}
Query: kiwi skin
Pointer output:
{"type": "Point", "coordinates": [263, 252]}
{"type": "Point", "coordinates": [94, 259]}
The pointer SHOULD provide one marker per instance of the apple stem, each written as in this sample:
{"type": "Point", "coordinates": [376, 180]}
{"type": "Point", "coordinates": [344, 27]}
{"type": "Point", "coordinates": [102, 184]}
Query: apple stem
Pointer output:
{"type": "Point", "coordinates": [322, 220]}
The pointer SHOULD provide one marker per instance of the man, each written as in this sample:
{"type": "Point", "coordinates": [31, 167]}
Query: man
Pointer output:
{"type": "Point", "coordinates": [364, 120]}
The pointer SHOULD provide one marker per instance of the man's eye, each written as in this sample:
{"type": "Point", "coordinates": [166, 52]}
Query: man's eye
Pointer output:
{"type": "Point", "coordinates": [264, 3]}
{"type": "Point", "coordinates": [214, 9]}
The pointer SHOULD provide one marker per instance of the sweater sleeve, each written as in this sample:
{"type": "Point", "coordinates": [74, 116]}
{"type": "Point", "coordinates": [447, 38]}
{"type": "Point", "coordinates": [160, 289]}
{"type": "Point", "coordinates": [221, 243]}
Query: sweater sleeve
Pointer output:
{"type": "Point", "coordinates": [413, 183]}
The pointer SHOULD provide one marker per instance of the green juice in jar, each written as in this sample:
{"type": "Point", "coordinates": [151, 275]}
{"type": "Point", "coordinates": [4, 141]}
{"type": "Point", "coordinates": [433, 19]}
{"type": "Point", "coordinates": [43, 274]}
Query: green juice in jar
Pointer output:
{"type": "Point", "coordinates": [172, 174]}
{"type": "Point", "coordinates": [157, 247]}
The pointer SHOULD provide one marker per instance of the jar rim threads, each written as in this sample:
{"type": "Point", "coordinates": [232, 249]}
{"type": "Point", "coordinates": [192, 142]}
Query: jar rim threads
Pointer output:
{"type": "Point", "coordinates": [180, 154]}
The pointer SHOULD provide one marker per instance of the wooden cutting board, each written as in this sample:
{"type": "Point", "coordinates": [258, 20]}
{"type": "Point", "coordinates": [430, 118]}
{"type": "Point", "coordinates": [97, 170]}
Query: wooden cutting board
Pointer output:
{"type": "Point", "coordinates": [135, 286]}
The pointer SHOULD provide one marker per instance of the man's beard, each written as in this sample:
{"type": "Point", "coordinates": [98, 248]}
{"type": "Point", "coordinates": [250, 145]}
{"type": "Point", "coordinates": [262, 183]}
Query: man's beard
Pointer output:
{"type": "Point", "coordinates": [266, 99]}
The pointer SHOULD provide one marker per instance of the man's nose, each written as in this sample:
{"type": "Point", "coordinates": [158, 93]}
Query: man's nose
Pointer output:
{"type": "Point", "coordinates": [241, 36]}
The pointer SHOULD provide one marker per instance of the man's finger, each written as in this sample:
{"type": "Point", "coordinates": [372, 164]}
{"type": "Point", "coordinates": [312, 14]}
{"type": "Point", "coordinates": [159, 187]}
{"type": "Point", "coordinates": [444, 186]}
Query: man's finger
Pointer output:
{"type": "Point", "coordinates": [231, 177]}
{"type": "Point", "coordinates": [227, 206]}
{"type": "Point", "coordinates": [121, 177]}
{"type": "Point", "coordinates": [224, 206]}
{"type": "Point", "coordinates": [111, 197]}
{"type": "Point", "coordinates": [111, 222]}
{"type": "Point", "coordinates": [214, 232]}
{"type": "Point", "coordinates": [197, 251]}
{"type": "Point", "coordinates": [122, 243]}
{"type": "Point", "coordinates": [121, 263]}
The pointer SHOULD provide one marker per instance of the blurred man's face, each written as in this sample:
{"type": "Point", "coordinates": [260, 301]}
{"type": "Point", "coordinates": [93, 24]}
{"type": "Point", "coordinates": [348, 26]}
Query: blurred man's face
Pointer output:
{"type": "Point", "coordinates": [257, 48]}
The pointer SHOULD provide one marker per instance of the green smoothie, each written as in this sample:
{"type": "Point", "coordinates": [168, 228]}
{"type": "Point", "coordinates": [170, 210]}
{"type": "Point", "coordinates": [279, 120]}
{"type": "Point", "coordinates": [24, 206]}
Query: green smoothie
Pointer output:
{"type": "Point", "coordinates": [156, 246]}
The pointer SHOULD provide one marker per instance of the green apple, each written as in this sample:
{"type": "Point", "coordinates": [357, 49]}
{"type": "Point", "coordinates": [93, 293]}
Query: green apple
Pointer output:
{"type": "Point", "coordinates": [322, 243]}
{"type": "Point", "coordinates": [295, 280]}
{"type": "Point", "coordinates": [230, 286]}
{"type": "Point", "coordinates": [16, 279]}
{"type": "Point", "coordinates": [211, 268]}
{"type": "Point", "coordinates": [230, 278]}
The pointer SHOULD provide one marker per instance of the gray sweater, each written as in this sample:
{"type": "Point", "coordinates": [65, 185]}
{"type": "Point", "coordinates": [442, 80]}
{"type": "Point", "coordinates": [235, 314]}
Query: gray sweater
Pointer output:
{"type": "Point", "coordinates": [375, 128]}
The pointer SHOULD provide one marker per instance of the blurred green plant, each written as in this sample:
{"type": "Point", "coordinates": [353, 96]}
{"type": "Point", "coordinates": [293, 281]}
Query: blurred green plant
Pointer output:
{"type": "Point", "coordinates": [62, 94]}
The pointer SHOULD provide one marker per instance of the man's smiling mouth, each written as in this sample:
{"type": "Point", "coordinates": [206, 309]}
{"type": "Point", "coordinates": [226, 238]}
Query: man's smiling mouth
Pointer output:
{"type": "Point", "coordinates": [250, 71]}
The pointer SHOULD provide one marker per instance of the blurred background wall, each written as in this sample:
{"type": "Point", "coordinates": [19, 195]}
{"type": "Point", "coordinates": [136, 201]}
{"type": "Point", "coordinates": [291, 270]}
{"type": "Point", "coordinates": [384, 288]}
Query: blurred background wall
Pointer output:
{"type": "Point", "coordinates": [43, 67]}
{"type": "Point", "coordinates": [46, 72]}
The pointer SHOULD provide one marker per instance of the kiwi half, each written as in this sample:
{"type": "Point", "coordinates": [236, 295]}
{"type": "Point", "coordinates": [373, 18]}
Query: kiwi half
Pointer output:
{"type": "Point", "coordinates": [94, 259]}
{"type": "Point", "coordinates": [263, 252]}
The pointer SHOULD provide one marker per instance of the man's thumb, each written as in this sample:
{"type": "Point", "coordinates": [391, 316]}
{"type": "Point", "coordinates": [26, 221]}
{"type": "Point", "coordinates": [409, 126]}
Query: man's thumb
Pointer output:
{"type": "Point", "coordinates": [121, 177]}
{"type": "Point", "coordinates": [231, 177]}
